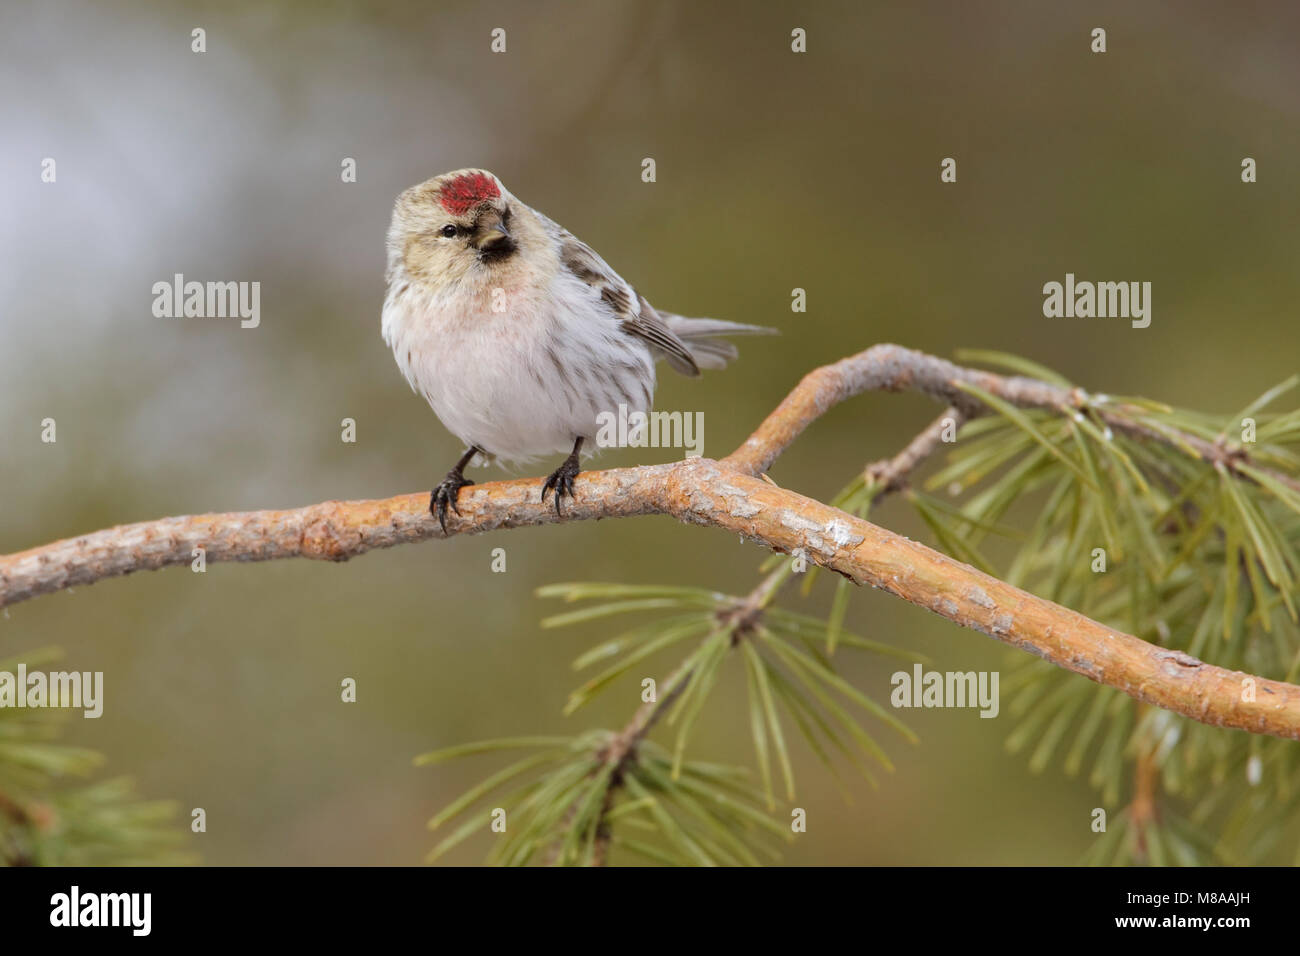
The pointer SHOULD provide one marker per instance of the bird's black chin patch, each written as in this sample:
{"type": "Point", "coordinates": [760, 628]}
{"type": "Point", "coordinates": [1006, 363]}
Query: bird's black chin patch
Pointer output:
{"type": "Point", "coordinates": [497, 251]}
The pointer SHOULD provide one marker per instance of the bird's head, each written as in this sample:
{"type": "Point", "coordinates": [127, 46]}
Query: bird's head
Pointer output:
{"type": "Point", "coordinates": [454, 225]}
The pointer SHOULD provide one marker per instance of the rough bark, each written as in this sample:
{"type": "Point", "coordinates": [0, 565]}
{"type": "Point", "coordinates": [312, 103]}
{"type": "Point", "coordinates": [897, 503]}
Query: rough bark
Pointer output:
{"type": "Point", "coordinates": [731, 494]}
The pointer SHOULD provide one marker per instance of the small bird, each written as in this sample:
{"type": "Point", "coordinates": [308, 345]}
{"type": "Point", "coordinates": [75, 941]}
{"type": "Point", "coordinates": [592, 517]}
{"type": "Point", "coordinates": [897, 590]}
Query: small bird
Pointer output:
{"type": "Point", "coordinates": [517, 333]}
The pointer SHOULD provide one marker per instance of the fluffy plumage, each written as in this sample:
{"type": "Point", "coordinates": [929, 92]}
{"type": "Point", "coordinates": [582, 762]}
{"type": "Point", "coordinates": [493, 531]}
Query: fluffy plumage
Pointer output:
{"type": "Point", "coordinates": [517, 333]}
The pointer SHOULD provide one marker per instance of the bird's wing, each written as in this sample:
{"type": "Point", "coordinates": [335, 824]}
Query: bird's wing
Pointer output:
{"type": "Point", "coordinates": [626, 305]}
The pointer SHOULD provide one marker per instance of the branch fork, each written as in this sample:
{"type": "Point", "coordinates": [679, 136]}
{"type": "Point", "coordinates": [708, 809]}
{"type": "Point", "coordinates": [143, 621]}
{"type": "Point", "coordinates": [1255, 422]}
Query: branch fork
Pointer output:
{"type": "Point", "coordinates": [734, 494]}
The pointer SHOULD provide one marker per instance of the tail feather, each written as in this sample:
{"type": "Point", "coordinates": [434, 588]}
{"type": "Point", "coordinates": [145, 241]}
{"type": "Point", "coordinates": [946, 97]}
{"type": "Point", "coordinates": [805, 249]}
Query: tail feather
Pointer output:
{"type": "Point", "coordinates": [702, 337]}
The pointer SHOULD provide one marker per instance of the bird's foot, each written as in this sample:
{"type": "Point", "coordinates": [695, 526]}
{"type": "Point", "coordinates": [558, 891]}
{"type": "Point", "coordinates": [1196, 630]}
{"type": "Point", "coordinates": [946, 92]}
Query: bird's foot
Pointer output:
{"type": "Point", "coordinates": [445, 494]}
{"type": "Point", "coordinates": [562, 481]}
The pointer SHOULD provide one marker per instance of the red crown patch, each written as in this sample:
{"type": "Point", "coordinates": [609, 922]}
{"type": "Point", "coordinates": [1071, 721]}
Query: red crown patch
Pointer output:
{"type": "Point", "coordinates": [464, 192]}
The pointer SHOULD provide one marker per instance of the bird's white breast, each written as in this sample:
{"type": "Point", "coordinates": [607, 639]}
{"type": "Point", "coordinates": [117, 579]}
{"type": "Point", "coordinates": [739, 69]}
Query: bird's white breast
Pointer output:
{"type": "Point", "coordinates": [520, 372]}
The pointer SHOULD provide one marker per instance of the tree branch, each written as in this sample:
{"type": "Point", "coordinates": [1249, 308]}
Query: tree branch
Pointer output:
{"type": "Point", "coordinates": [727, 494]}
{"type": "Point", "coordinates": [622, 747]}
{"type": "Point", "coordinates": [891, 474]}
{"type": "Point", "coordinates": [892, 368]}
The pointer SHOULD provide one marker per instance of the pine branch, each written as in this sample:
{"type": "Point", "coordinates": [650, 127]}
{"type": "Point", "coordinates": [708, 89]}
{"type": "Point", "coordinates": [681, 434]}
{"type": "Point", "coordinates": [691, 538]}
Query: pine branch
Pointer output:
{"type": "Point", "coordinates": [887, 476]}
{"type": "Point", "coordinates": [891, 474]}
{"type": "Point", "coordinates": [892, 368]}
{"type": "Point", "coordinates": [728, 494]}
{"type": "Point", "coordinates": [622, 748]}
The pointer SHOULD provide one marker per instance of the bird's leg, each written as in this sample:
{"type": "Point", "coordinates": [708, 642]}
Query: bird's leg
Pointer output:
{"type": "Point", "coordinates": [445, 494]}
{"type": "Point", "coordinates": [562, 478]}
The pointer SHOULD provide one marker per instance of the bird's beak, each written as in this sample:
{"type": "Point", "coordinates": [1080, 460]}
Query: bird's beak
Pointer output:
{"type": "Point", "coordinates": [490, 230]}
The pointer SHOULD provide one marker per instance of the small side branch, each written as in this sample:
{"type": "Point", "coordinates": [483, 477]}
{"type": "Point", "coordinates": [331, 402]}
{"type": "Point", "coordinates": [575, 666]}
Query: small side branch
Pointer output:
{"type": "Point", "coordinates": [891, 474]}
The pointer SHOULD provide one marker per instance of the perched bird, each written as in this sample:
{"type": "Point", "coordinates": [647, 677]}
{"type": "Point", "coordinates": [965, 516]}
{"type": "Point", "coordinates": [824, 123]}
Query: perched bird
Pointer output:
{"type": "Point", "coordinates": [517, 333]}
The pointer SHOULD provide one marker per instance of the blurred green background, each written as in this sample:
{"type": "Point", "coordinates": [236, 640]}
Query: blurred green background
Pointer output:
{"type": "Point", "coordinates": [775, 171]}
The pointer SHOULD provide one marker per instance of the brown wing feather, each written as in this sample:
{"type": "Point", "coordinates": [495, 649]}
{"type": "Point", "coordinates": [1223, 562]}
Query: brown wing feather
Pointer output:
{"type": "Point", "coordinates": [636, 316]}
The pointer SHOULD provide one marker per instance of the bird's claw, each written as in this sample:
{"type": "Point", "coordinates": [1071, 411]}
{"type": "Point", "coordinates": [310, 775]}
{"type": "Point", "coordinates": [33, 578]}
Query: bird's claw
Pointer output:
{"type": "Point", "coordinates": [561, 480]}
{"type": "Point", "coordinates": [445, 494]}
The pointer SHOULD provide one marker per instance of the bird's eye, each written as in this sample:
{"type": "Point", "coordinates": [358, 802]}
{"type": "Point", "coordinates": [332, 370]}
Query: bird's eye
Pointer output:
{"type": "Point", "coordinates": [448, 231]}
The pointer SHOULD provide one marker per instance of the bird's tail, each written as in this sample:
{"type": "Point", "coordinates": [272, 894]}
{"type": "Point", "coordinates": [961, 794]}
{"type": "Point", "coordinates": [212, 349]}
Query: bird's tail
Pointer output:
{"type": "Point", "coordinates": [702, 337]}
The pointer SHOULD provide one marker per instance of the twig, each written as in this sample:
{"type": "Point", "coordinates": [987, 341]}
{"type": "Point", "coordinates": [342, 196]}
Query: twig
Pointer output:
{"type": "Point", "coordinates": [1144, 811]}
{"type": "Point", "coordinates": [891, 474]}
{"type": "Point", "coordinates": [725, 494]}
{"type": "Point", "coordinates": [892, 368]}
{"type": "Point", "coordinates": [622, 748]}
